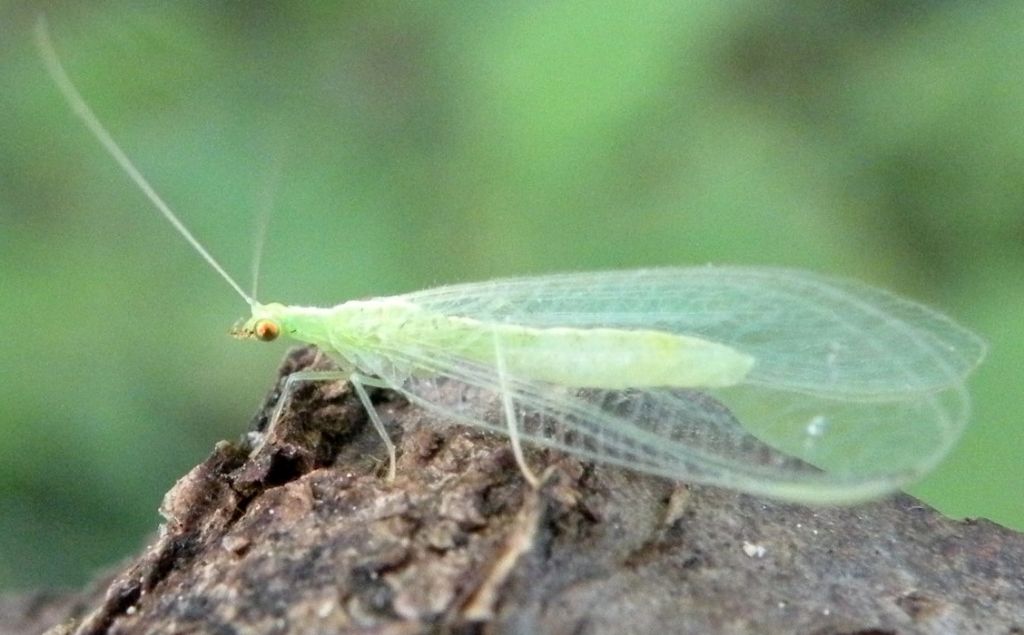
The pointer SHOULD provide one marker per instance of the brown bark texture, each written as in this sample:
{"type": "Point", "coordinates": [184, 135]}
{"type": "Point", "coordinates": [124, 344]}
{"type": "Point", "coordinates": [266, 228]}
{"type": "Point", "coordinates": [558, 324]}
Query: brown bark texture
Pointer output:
{"type": "Point", "coordinates": [295, 530]}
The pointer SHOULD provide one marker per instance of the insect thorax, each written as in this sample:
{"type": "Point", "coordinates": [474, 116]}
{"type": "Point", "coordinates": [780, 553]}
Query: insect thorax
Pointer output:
{"type": "Point", "coordinates": [355, 334]}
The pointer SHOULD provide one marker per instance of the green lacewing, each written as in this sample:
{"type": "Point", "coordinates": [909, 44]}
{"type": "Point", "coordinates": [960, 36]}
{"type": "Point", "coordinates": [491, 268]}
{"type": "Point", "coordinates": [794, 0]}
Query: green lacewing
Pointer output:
{"type": "Point", "coordinates": [775, 382]}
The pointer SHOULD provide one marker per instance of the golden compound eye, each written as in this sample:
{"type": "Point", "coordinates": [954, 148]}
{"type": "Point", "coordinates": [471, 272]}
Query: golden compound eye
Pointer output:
{"type": "Point", "coordinates": [266, 331]}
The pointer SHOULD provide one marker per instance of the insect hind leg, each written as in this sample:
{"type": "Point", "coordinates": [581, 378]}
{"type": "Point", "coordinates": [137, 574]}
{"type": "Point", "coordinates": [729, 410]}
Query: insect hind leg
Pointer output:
{"type": "Point", "coordinates": [510, 417]}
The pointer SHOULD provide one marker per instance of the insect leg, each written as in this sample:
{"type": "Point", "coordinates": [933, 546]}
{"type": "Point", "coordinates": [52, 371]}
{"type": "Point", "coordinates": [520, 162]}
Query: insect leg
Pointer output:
{"type": "Point", "coordinates": [510, 417]}
{"type": "Point", "coordinates": [290, 385]}
{"type": "Point", "coordinates": [357, 382]}
{"type": "Point", "coordinates": [335, 375]}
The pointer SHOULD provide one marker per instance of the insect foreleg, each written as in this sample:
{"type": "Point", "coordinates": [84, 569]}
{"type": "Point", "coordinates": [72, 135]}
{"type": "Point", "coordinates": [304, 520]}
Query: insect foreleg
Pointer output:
{"type": "Point", "coordinates": [290, 386]}
{"type": "Point", "coordinates": [357, 382]}
{"type": "Point", "coordinates": [510, 417]}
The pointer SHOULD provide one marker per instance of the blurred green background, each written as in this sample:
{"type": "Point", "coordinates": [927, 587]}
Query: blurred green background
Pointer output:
{"type": "Point", "coordinates": [403, 145]}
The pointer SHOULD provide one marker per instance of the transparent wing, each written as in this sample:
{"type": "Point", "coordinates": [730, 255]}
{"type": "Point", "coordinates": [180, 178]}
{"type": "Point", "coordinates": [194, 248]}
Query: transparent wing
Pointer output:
{"type": "Point", "coordinates": [763, 440]}
{"type": "Point", "coordinates": [828, 337]}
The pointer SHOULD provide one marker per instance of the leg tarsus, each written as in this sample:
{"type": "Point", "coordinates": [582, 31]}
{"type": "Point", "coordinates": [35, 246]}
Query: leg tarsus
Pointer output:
{"type": "Point", "coordinates": [510, 418]}
{"type": "Point", "coordinates": [517, 448]}
{"type": "Point", "coordinates": [357, 382]}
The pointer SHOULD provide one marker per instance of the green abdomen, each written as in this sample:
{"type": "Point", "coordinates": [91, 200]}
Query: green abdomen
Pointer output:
{"type": "Point", "coordinates": [617, 358]}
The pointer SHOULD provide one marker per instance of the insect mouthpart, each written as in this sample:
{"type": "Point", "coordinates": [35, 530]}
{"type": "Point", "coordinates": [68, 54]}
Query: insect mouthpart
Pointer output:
{"type": "Point", "coordinates": [239, 332]}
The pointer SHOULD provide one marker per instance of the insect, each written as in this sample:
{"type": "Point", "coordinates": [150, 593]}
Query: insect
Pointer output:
{"type": "Point", "coordinates": [774, 382]}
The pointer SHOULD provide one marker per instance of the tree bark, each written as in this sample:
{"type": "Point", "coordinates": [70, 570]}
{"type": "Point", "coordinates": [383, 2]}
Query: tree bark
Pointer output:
{"type": "Point", "coordinates": [295, 530]}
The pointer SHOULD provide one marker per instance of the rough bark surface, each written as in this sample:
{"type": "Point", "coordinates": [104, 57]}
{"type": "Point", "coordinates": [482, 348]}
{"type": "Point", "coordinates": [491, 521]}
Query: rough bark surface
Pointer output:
{"type": "Point", "coordinates": [295, 530]}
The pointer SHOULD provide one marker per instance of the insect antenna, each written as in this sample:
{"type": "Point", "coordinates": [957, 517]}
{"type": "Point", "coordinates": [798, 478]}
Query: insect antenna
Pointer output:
{"type": "Point", "coordinates": [265, 209]}
{"type": "Point", "coordinates": [81, 108]}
